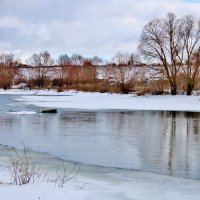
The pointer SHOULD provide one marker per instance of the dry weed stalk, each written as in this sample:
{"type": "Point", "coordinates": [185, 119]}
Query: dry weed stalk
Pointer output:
{"type": "Point", "coordinates": [22, 168]}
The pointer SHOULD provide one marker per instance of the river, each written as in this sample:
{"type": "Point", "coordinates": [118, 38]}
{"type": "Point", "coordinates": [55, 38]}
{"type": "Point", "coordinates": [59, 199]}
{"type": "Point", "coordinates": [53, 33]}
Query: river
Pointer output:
{"type": "Point", "coordinates": [152, 141]}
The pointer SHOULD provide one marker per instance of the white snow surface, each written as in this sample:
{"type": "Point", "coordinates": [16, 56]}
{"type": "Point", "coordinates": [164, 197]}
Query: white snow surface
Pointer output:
{"type": "Point", "coordinates": [105, 186]}
{"type": "Point", "coordinates": [110, 186]}
{"type": "Point", "coordinates": [98, 101]}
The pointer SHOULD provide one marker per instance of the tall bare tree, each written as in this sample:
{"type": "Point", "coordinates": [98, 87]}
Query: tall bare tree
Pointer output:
{"type": "Point", "coordinates": [190, 29]}
{"type": "Point", "coordinates": [173, 42]}
{"type": "Point", "coordinates": [161, 41]}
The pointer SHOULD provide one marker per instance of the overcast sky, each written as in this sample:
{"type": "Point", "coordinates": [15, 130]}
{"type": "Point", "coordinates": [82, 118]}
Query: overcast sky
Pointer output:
{"type": "Point", "coordinates": [88, 27]}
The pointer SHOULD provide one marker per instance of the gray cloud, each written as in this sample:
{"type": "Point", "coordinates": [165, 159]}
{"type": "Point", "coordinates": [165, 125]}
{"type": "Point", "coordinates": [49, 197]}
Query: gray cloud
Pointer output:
{"type": "Point", "coordinates": [88, 27]}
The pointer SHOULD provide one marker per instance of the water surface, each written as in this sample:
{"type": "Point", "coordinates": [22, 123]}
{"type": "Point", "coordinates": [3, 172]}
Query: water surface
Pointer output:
{"type": "Point", "coordinates": [159, 142]}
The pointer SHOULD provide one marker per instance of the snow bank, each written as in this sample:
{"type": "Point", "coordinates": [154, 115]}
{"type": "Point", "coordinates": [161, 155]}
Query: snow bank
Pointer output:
{"type": "Point", "coordinates": [98, 101]}
{"type": "Point", "coordinates": [117, 185]}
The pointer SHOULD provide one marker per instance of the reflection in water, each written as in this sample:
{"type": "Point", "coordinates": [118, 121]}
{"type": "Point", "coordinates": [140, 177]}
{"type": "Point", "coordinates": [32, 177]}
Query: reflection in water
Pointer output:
{"type": "Point", "coordinates": [172, 140]}
{"type": "Point", "coordinates": [159, 142]}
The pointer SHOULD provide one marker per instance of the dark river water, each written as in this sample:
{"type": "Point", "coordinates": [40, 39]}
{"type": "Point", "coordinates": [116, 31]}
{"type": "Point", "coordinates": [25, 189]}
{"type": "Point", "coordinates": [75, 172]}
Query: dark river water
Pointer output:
{"type": "Point", "coordinates": [159, 142]}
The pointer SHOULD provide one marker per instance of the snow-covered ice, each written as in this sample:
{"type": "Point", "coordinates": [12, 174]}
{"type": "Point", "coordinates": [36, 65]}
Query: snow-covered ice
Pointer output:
{"type": "Point", "coordinates": [105, 101]}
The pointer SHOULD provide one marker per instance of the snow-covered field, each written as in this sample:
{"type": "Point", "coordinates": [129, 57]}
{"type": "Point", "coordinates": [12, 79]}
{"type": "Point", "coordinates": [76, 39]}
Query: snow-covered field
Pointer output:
{"type": "Point", "coordinates": [98, 101]}
{"type": "Point", "coordinates": [116, 184]}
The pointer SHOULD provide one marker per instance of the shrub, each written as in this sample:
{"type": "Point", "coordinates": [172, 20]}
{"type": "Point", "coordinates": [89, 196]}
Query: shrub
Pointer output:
{"type": "Point", "coordinates": [22, 169]}
{"type": "Point", "coordinates": [63, 175]}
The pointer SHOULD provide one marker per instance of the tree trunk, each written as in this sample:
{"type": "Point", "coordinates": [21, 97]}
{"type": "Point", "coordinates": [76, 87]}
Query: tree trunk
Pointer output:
{"type": "Point", "coordinates": [173, 90]}
{"type": "Point", "coordinates": [189, 89]}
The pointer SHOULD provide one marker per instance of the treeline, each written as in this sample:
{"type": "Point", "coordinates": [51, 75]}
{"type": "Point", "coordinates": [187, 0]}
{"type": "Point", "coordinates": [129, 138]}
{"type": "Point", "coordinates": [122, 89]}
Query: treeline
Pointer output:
{"type": "Point", "coordinates": [75, 72]}
{"type": "Point", "coordinates": [168, 59]}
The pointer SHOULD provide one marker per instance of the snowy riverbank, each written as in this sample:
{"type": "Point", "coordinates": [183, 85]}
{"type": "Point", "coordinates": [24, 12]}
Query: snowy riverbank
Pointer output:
{"type": "Point", "coordinates": [98, 101]}
{"type": "Point", "coordinates": [117, 185]}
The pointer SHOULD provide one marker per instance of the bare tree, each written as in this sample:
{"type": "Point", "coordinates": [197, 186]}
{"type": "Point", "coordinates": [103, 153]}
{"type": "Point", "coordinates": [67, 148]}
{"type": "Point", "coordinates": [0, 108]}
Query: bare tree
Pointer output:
{"type": "Point", "coordinates": [125, 77]}
{"type": "Point", "coordinates": [121, 58]}
{"type": "Point", "coordinates": [64, 60]}
{"type": "Point", "coordinates": [7, 59]}
{"type": "Point", "coordinates": [124, 72]}
{"type": "Point", "coordinates": [77, 59]}
{"type": "Point", "coordinates": [45, 59]}
{"type": "Point", "coordinates": [8, 70]}
{"type": "Point", "coordinates": [190, 29]}
{"type": "Point", "coordinates": [41, 63]}
{"type": "Point", "coordinates": [96, 60]}
{"type": "Point", "coordinates": [162, 41]}
{"type": "Point", "coordinates": [134, 59]}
